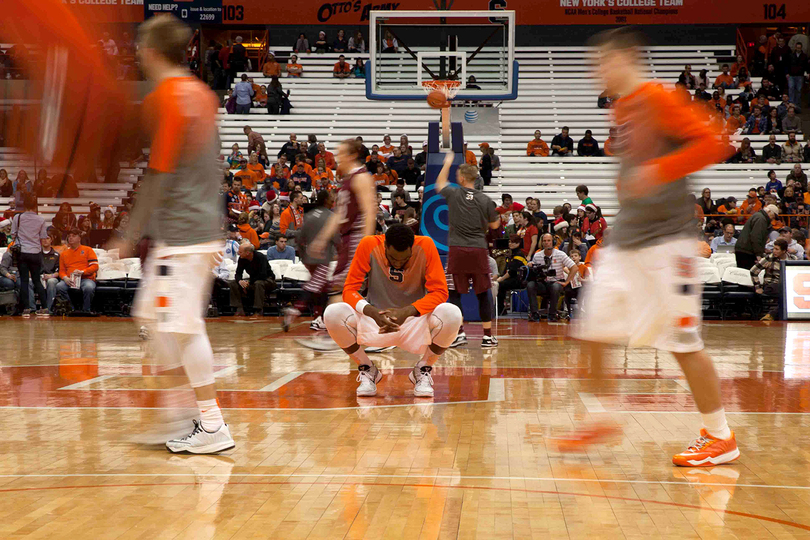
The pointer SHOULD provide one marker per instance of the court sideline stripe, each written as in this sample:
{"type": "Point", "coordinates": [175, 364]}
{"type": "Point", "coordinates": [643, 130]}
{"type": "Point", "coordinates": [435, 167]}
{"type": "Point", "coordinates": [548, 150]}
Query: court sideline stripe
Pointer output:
{"type": "Point", "coordinates": [478, 488]}
{"type": "Point", "coordinates": [437, 477]}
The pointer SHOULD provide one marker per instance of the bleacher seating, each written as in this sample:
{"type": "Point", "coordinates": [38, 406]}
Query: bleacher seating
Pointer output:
{"type": "Point", "coordinates": [557, 88]}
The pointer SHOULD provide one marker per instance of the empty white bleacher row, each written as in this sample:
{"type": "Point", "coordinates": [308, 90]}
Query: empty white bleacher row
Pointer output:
{"type": "Point", "coordinates": [556, 88]}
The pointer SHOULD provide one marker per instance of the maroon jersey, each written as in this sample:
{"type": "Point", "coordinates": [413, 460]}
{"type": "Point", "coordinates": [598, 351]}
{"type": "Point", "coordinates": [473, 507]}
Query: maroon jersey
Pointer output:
{"type": "Point", "coordinates": [348, 208]}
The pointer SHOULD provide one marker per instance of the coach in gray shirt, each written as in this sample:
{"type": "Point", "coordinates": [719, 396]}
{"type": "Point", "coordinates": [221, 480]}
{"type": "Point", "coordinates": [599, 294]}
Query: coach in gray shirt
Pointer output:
{"type": "Point", "coordinates": [28, 229]}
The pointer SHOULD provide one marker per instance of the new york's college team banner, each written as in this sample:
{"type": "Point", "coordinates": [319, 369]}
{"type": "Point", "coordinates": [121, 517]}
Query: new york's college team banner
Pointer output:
{"type": "Point", "coordinates": [529, 12]}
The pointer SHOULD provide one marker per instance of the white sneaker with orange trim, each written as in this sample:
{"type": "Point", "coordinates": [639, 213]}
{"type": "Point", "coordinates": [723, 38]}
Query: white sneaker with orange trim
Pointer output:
{"type": "Point", "coordinates": [707, 451]}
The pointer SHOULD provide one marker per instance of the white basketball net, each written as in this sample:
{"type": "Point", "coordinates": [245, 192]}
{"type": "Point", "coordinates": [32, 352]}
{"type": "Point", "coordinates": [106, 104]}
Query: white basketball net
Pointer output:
{"type": "Point", "coordinates": [448, 88]}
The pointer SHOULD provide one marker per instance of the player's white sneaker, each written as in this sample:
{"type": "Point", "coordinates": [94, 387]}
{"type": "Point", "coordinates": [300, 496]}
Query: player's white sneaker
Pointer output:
{"type": "Point", "coordinates": [317, 324]}
{"type": "Point", "coordinates": [368, 377]}
{"type": "Point", "coordinates": [290, 314]}
{"type": "Point", "coordinates": [377, 350]}
{"type": "Point", "coordinates": [489, 342]}
{"type": "Point", "coordinates": [200, 441]}
{"type": "Point", "coordinates": [143, 333]}
{"type": "Point", "coordinates": [461, 339]}
{"type": "Point", "coordinates": [422, 381]}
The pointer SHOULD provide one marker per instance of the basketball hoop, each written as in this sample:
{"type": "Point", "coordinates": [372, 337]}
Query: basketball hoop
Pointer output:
{"type": "Point", "coordinates": [448, 88]}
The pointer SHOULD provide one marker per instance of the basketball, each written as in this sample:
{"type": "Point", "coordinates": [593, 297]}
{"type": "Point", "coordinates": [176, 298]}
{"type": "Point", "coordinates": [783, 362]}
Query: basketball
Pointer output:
{"type": "Point", "coordinates": [437, 100]}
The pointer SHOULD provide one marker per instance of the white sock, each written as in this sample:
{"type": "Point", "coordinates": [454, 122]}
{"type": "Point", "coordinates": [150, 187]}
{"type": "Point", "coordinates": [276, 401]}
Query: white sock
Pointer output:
{"type": "Point", "coordinates": [210, 415]}
{"type": "Point", "coordinates": [715, 423]}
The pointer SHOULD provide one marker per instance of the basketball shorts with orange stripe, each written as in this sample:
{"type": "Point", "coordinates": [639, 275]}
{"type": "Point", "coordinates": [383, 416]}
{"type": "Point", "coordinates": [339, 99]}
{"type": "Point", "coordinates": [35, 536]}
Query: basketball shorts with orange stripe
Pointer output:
{"type": "Point", "coordinates": [647, 297]}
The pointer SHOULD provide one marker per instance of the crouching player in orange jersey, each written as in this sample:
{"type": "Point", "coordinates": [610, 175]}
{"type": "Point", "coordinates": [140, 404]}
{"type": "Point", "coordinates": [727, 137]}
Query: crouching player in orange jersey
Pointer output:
{"type": "Point", "coordinates": [647, 292]}
{"type": "Point", "coordinates": [405, 306]}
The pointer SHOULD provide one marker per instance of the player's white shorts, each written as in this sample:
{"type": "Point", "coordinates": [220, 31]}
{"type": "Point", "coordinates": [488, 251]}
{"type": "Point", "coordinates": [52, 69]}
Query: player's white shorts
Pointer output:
{"type": "Point", "coordinates": [648, 297]}
{"type": "Point", "coordinates": [175, 289]}
{"type": "Point", "coordinates": [347, 327]}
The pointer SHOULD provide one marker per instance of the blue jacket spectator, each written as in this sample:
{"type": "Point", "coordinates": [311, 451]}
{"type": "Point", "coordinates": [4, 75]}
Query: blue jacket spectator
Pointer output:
{"type": "Point", "coordinates": [281, 251]}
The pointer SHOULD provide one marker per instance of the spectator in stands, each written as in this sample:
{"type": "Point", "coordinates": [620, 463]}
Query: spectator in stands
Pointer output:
{"type": "Point", "coordinates": [508, 205]}
{"type": "Point", "coordinates": [527, 230]}
{"type": "Point", "coordinates": [469, 156]}
{"type": "Point", "coordinates": [725, 79]}
{"type": "Point", "coordinates": [340, 45]}
{"type": "Point", "coordinates": [6, 185]}
{"type": "Point", "coordinates": [281, 251]}
{"type": "Point", "coordinates": [421, 157]}
{"type": "Point", "coordinates": [273, 224]}
{"type": "Point", "coordinates": [706, 203]}
{"type": "Point", "coordinates": [84, 228]}
{"type": "Point", "coordinates": [756, 124]}
{"type": "Point", "coordinates": [23, 184]}
{"type": "Point", "coordinates": [743, 79]}
{"type": "Point", "coordinates": [387, 149]}
{"type": "Point", "coordinates": [389, 43]}
{"type": "Point", "coordinates": [238, 58]}
{"type": "Point", "coordinates": [791, 122]}
{"type": "Point", "coordinates": [342, 70]}
{"type": "Point", "coordinates": [773, 183]}
{"type": "Point", "coordinates": [235, 157]}
{"type": "Point", "coordinates": [745, 154]}
{"type": "Point", "coordinates": [774, 123]}
{"type": "Point", "coordinates": [751, 204]}
{"type": "Point", "coordinates": [550, 281]}
{"type": "Point", "coordinates": [271, 68]}
{"type": "Point", "coordinates": [533, 206]}
{"type": "Point", "coordinates": [537, 146]}
{"type": "Point", "coordinates": [588, 146]}
{"type": "Point", "coordinates": [412, 176]}
{"type": "Point", "coordinates": [798, 175]}
{"type": "Point", "coordinates": [687, 78]}
{"type": "Point", "coordinates": [321, 44]}
{"type": "Point", "coordinates": [792, 150]}
{"type": "Point", "coordinates": [771, 281]}
{"type": "Point", "coordinates": [327, 157]}
{"type": "Point", "coordinates": [726, 240]}
{"type": "Point", "coordinates": [290, 149]}
{"type": "Point", "coordinates": [260, 281]}
{"type": "Point", "coordinates": [783, 107]}
{"type": "Point", "coordinates": [77, 260]}
{"type": "Point", "coordinates": [472, 83]}
{"type": "Point", "coordinates": [65, 219]}
{"type": "Point", "coordinates": [793, 247]}
{"type": "Point", "coordinates": [399, 204]}
{"type": "Point", "coordinates": [754, 236]}
{"type": "Point", "coordinates": [109, 218]}
{"type": "Point", "coordinates": [236, 200]}
{"type": "Point", "coordinates": [582, 194]}
{"type": "Point", "coordinates": [278, 101]}
{"type": "Point", "coordinates": [292, 218]}
{"type": "Point", "coordinates": [729, 207]}
{"type": "Point", "coordinates": [50, 270]}
{"type": "Point", "coordinates": [28, 229]}
{"type": "Point", "coordinates": [359, 69]}
{"type": "Point", "coordinates": [772, 152]}
{"type": "Point", "coordinates": [594, 224]}
{"type": "Point", "coordinates": [736, 121]}
{"type": "Point", "coordinates": [293, 68]}
{"type": "Point", "coordinates": [562, 144]}
{"type": "Point", "coordinates": [513, 276]}
{"type": "Point", "coordinates": [246, 231]}
{"type": "Point", "coordinates": [397, 161]}
{"type": "Point", "coordinates": [301, 44]}
{"type": "Point", "coordinates": [94, 217]}
{"type": "Point", "coordinates": [796, 69]}
{"type": "Point", "coordinates": [405, 145]}
{"type": "Point", "coordinates": [256, 144]}
{"type": "Point", "coordinates": [574, 244]}
{"type": "Point", "coordinates": [357, 44]}
{"type": "Point", "coordinates": [301, 177]}
{"type": "Point", "coordinates": [10, 278]}
{"type": "Point", "coordinates": [701, 94]}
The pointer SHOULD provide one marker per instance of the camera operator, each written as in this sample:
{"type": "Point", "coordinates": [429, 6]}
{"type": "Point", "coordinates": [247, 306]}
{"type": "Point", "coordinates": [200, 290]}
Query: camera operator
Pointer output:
{"type": "Point", "coordinates": [547, 277]}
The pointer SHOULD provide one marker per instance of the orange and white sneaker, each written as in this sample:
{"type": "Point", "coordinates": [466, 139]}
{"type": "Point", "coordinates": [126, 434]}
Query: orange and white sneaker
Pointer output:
{"type": "Point", "coordinates": [707, 451]}
{"type": "Point", "coordinates": [578, 440]}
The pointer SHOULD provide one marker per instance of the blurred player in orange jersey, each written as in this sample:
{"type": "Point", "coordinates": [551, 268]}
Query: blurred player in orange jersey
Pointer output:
{"type": "Point", "coordinates": [647, 292]}
{"type": "Point", "coordinates": [76, 116]}
{"type": "Point", "coordinates": [405, 306]}
{"type": "Point", "coordinates": [179, 207]}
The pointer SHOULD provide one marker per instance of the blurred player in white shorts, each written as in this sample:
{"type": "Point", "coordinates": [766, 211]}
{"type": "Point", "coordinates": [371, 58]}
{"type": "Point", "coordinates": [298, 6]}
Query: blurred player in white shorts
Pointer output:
{"type": "Point", "coordinates": [179, 207]}
{"type": "Point", "coordinates": [405, 306]}
{"type": "Point", "coordinates": [646, 291]}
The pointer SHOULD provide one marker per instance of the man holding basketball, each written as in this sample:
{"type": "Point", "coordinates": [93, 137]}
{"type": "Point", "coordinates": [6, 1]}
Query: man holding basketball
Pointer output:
{"type": "Point", "coordinates": [471, 215]}
{"type": "Point", "coordinates": [647, 292]}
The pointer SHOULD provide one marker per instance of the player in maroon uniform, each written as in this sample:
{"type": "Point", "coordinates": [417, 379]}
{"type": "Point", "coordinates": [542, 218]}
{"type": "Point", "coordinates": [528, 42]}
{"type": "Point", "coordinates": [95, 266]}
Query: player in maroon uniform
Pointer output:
{"type": "Point", "coordinates": [354, 216]}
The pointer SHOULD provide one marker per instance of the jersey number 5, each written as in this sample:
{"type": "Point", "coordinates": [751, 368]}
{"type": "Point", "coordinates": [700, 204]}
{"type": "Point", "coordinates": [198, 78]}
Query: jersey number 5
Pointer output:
{"type": "Point", "coordinates": [395, 275]}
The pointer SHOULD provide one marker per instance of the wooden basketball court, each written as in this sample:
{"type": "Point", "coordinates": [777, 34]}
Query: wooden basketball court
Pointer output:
{"type": "Point", "coordinates": [477, 461]}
